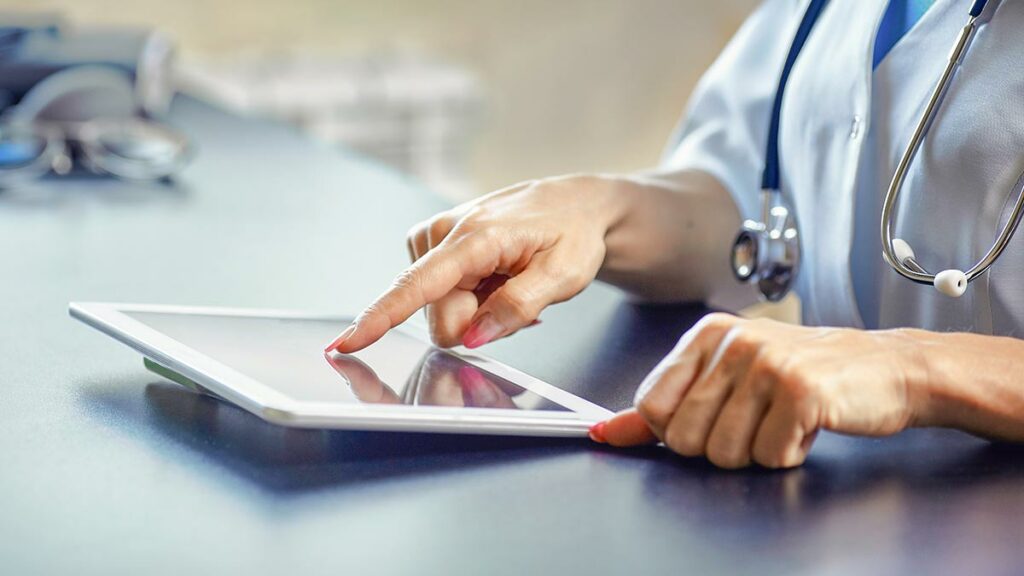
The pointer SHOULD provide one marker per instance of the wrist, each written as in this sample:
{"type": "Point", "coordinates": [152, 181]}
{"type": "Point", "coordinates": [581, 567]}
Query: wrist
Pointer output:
{"type": "Point", "coordinates": [970, 382]}
{"type": "Point", "coordinates": [598, 199]}
{"type": "Point", "coordinates": [607, 197]}
{"type": "Point", "coordinates": [945, 367]}
{"type": "Point", "coordinates": [669, 235]}
{"type": "Point", "coordinates": [915, 351]}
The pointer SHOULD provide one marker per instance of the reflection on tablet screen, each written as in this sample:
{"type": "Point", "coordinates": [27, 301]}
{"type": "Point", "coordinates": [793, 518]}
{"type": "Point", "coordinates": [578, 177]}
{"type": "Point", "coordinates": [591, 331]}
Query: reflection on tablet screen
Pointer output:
{"type": "Point", "coordinates": [440, 379]}
{"type": "Point", "coordinates": [287, 354]}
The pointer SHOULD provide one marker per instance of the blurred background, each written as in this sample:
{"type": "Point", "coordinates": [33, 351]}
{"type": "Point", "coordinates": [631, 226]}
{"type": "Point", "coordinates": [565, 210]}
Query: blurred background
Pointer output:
{"type": "Point", "coordinates": [464, 95]}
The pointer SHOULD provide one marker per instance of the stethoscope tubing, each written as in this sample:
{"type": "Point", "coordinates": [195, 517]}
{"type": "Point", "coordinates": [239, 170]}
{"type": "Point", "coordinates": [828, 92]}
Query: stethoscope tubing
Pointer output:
{"type": "Point", "coordinates": [909, 268]}
{"type": "Point", "coordinates": [896, 184]}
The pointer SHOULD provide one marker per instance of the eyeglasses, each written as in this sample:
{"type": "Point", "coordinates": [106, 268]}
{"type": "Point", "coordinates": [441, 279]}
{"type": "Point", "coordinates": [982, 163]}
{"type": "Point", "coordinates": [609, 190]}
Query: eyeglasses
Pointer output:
{"type": "Point", "coordinates": [129, 148]}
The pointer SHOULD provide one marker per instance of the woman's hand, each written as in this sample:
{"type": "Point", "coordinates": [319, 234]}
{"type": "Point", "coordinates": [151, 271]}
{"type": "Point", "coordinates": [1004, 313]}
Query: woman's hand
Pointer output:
{"type": "Point", "coordinates": [487, 268]}
{"type": "Point", "coordinates": [740, 391]}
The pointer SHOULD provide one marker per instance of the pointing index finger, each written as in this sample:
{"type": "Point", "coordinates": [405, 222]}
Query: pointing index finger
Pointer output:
{"type": "Point", "coordinates": [425, 282]}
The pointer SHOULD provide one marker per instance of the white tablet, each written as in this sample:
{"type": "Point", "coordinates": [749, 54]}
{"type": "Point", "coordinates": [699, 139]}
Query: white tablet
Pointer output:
{"type": "Point", "coordinates": [272, 364]}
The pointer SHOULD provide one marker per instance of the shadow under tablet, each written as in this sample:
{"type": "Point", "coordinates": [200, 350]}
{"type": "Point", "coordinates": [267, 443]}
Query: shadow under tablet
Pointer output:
{"type": "Point", "coordinates": [286, 353]}
{"type": "Point", "coordinates": [294, 460]}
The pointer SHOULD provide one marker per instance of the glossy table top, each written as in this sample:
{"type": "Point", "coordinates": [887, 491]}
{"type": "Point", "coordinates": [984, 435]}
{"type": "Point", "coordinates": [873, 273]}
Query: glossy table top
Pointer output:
{"type": "Point", "coordinates": [104, 468]}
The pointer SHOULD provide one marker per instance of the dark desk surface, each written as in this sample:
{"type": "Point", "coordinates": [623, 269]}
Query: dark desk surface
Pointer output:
{"type": "Point", "coordinates": [104, 469]}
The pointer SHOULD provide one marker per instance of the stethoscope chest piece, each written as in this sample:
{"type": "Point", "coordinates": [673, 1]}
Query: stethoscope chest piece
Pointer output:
{"type": "Point", "coordinates": [768, 252]}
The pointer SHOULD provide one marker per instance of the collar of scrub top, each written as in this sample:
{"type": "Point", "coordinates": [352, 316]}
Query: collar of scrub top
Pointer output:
{"type": "Point", "coordinates": [770, 176]}
{"type": "Point", "coordinates": [770, 179]}
{"type": "Point", "coordinates": [897, 252]}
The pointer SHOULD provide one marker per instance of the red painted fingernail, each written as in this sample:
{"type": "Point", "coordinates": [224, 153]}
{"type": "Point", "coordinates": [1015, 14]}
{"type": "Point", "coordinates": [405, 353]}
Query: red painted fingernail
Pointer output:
{"type": "Point", "coordinates": [341, 338]}
{"type": "Point", "coordinates": [597, 433]}
{"type": "Point", "coordinates": [482, 331]}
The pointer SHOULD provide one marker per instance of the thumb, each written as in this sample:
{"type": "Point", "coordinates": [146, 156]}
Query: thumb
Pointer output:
{"type": "Point", "coordinates": [514, 305]}
{"type": "Point", "coordinates": [627, 428]}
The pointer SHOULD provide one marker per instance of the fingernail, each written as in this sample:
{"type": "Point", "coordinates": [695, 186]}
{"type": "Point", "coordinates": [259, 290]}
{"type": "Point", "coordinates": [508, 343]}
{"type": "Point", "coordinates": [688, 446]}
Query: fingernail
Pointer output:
{"type": "Point", "coordinates": [341, 338]}
{"type": "Point", "coordinates": [597, 433]}
{"type": "Point", "coordinates": [483, 331]}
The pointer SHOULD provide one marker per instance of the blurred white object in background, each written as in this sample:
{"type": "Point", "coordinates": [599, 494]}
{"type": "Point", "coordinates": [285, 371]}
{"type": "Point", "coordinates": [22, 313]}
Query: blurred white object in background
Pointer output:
{"type": "Point", "coordinates": [413, 113]}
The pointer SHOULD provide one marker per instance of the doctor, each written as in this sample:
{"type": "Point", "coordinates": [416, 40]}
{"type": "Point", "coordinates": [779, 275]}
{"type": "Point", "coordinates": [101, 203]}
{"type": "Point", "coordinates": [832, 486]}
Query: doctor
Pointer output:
{"type": "Point", "coordinates": [877, 353]}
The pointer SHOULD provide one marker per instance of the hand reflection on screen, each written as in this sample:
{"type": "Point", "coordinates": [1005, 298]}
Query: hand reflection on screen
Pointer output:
{"type": "Point", "coordinates": [364, 382]}
{"type": "Point", "coordinates": [441, 379]}
{"type": "Point", "coordinates": [446, 380]}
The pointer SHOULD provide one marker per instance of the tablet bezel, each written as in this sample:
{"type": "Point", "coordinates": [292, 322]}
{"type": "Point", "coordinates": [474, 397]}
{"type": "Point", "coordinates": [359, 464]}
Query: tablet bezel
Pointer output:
{"type": "Point", "coordinates": [274, 406]}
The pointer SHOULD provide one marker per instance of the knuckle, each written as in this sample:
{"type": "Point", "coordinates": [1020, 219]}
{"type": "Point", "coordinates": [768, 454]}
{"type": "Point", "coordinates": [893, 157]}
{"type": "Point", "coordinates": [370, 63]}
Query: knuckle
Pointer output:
{"type": "Point", "coordinates": [437, 228]}
{"type": "Point", "coordinates": [723, 446]}
{"type": "Point", "coordinates": [711, 326]}
{"type": "Point", "coordinates": [684, 440]}
{"type": "Point", "coordinates": [489, 235]}
{"type": "Point", "coordinates": [406, 287]}
{"type": "Point", "coordinates": [520, 304]}
{"type": "Point", "coordinates": [794, 461]}
{"type": "Point", "coordinates": [765, 369]}
{"type": "Point", "coordinates": [765, 454]}
{"type": "Point", "coordinates": [475, 216]}
{"type": "Point", "coordinates": [768, 459]}
{"type": "Point", "coordinates": [797, 387]}
{"type": "Point", "coordinates": [777, 456]}
{"type": "Point", "coordinates": [726, 456]}
{"type": "Point", "coordinates": [740, 344]}
{"type": "Point", "coordinates": [831, 416]}
{"type": "Point", "coordinates": [474, 238]}
{"type": "Point", "coordinates": [787, 459]}
{"type": "Point", "coordinates": [768, 455]}
{"type": "Point", "coordinates": [717, 320]}
{"type": "Point", "coordinates": [654, 411]}
{"type": "Point", "coordinates": [573, 277]}
{"type": "Point", "coordinates": [407, 279]}
{"type": "Point", "coordinates": [745, 337]}
{"type": "Point", "coordinates": [782, 373]}
{"type": "Point", "coordinates": [414, 231]}
{"type": "Point", "coordinates": [463, 237]}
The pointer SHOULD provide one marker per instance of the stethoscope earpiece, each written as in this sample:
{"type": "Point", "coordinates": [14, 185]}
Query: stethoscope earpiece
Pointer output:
{"type": "Point", "coordinates": [952, 283]}
{"type": "Point", "coordinates": [903, 251]}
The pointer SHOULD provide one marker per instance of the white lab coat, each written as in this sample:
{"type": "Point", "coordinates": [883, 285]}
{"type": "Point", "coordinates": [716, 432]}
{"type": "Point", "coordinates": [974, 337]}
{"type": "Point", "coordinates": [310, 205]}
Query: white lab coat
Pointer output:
{"type": "Point", "coordinates": [843, 129]}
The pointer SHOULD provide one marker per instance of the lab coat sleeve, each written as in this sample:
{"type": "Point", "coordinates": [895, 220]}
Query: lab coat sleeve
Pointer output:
{"type": "Point", "coordinates": [725, 127]}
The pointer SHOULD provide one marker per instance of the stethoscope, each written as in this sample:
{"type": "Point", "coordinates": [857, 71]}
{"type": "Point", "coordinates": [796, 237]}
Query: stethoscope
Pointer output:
{"type": "Point", "coordinates": [767, 252]}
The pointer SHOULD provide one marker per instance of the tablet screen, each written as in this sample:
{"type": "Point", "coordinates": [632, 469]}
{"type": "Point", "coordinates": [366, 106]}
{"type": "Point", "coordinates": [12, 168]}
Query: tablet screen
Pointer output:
{"type": "Point", "coordinates": [287, 354]}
